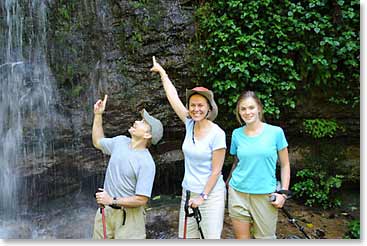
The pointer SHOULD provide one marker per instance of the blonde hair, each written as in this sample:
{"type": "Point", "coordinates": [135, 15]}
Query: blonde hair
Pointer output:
{"type": "Point", "coordinates": [244, 95]}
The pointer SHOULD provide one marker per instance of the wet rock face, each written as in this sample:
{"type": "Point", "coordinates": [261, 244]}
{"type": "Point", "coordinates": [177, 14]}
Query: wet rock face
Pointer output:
{"type": "Point", "coordinates": [106, 47]}
{"type": "Point", "coordinates": [110, 52]}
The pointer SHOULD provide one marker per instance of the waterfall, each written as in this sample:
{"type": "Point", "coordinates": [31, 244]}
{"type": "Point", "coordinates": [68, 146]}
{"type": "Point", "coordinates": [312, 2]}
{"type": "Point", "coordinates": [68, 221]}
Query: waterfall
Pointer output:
{"type": "Point", "coordinates": [26, 99]}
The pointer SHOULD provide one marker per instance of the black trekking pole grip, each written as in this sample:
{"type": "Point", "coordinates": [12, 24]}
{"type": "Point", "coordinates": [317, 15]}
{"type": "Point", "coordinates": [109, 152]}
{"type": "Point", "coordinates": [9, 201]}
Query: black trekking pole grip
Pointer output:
{"type": "Point", "coordinates": [187, 195]}
{"type": "Point", "coordinates": [272, 198]}
{"type": "Point", "coordinates": [187, 201]}
{"type": "Point", "coordinates": [101, 206]}
{"type": "Point", "coordinates": [186, 209]}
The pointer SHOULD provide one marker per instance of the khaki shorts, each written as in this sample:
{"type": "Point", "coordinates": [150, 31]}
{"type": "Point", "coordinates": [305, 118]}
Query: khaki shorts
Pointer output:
{"type": "Point", "coordinates": [212, 214]}
{"type": "Point", "coordinates": [134, 227]}
{"type": "Point", "coordinates": [256, 209]}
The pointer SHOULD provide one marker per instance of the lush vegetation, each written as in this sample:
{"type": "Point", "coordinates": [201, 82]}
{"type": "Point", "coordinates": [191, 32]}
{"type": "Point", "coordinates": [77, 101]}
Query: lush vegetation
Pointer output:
{"type": "Point", "coordinates": [319, 128]}
{"type": "Point", "coordinates": [286, 50]}
{"type": "Point", "coordinates": [278, 47]}
{"type": "Point", "coordinates": [318, 188]}
{"type": "Point", "coordinates": [354, 230]}
{"type": "Point", "coordinates": [319, 184]}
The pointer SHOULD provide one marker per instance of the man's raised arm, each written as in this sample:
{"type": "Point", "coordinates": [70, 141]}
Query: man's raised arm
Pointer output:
{"type": "Point", "coordinates": [97, 131]}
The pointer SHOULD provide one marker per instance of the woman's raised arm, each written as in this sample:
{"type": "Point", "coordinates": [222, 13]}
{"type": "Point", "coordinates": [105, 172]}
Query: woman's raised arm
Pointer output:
{"type": "Point", "coordinates": [171, 92]}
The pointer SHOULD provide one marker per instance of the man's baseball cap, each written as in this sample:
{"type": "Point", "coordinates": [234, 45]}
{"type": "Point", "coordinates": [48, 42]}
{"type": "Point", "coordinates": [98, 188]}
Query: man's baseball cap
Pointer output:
{"type": "Point", "coordinates": [155, 124]}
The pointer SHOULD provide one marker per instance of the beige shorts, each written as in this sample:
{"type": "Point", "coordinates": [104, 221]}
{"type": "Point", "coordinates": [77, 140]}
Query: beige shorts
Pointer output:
{"type": "Point", "coordinates": [134, 227]}
{"type": "Point", "coordinates": [255, 209]}
{"type": "Point", "coordinates": [212, 214]}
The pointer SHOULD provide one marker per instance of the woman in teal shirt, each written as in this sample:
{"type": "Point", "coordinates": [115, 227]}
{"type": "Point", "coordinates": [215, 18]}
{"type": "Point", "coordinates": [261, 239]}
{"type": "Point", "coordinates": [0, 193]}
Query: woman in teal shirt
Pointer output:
{"type": "Point", "coordinates": [252, 180]}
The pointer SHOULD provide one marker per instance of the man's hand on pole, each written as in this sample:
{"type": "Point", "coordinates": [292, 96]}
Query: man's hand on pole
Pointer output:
{"type": "Point", "coordinates": [103, 198]}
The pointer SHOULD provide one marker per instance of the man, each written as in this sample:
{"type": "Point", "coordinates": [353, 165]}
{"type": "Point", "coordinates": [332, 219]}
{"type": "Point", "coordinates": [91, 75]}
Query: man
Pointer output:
{"type": "Point", "coordinates": [129, 176]}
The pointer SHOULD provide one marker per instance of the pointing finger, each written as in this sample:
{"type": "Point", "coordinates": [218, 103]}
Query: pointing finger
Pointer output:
{"type": "Point", "coordinates": [97, 103]}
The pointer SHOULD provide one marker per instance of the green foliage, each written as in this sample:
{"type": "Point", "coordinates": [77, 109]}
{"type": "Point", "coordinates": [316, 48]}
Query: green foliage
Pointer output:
{"type": "Point", "coordinates": [71, 26]}
{"type": "Point", "coordinates": [319, 128]}
{"type": "Point", "coordinates": [317, 188]}
{"type": "Point", "coordinates": [134, 32]}
{"type": "Point", "coordinates": [274, 46]}
{"type": "Point", "coordinates": [76, 90]}
{"type": "Point", "coordinates": [354, 230]}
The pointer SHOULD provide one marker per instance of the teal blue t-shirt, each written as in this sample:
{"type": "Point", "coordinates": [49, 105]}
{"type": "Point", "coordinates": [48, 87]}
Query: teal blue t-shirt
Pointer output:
{"type": "Point", "coordinates": [257, 158]}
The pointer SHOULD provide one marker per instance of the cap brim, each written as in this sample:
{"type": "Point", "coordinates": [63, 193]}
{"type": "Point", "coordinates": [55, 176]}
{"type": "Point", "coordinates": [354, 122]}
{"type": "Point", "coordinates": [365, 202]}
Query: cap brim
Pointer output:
{"type": "Point", "coordinates": [155, 124]}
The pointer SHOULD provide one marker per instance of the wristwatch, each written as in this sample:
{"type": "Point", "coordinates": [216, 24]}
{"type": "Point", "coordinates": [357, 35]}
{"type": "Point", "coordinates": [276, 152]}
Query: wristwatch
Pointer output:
{"type": "Point", "coordinates": [114, 201]}
{"type": "Point", "coordinates": [204, 196]}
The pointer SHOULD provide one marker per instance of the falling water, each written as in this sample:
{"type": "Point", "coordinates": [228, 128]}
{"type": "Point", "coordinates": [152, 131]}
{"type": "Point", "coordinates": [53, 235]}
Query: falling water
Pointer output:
{"type": "Point", "coordinates": [26, 98]}
{"type": "Point", "coordinates": [28, 129]}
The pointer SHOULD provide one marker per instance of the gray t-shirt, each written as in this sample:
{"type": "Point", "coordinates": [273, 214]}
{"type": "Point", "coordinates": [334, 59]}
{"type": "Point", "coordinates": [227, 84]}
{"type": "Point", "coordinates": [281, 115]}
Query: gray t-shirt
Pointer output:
{"type": "Point", "coordinates": [130, 172]}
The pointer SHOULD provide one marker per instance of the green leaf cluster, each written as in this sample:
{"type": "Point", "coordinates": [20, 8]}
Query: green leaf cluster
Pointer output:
{"type": "Point", "coordinates": [320, 128]}
{"type": "Point", "coordinates": [275, 47]}
{"type": "Point", "coordinates": [354, 230]}
{"type": "Point", "coordinates": [317, 188]}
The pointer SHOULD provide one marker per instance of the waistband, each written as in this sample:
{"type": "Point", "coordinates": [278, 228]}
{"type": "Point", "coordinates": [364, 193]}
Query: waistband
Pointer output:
{"type": "Point", "coordinates": [115, 206]}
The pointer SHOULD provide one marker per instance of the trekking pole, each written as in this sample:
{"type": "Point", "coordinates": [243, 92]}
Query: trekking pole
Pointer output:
{"type": "Point", "coordinates": [103, 223]}
{"type": "Point", "coordinates": [186, 211]}
{"type": "Point", "coordinates": [101, 209]}
{"type": "Point", "coordinates": [291, 220]}
{"type": "Point", "coordinates": [294, 222]}
{"type": "Point", "coordinates": [197, 216]}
